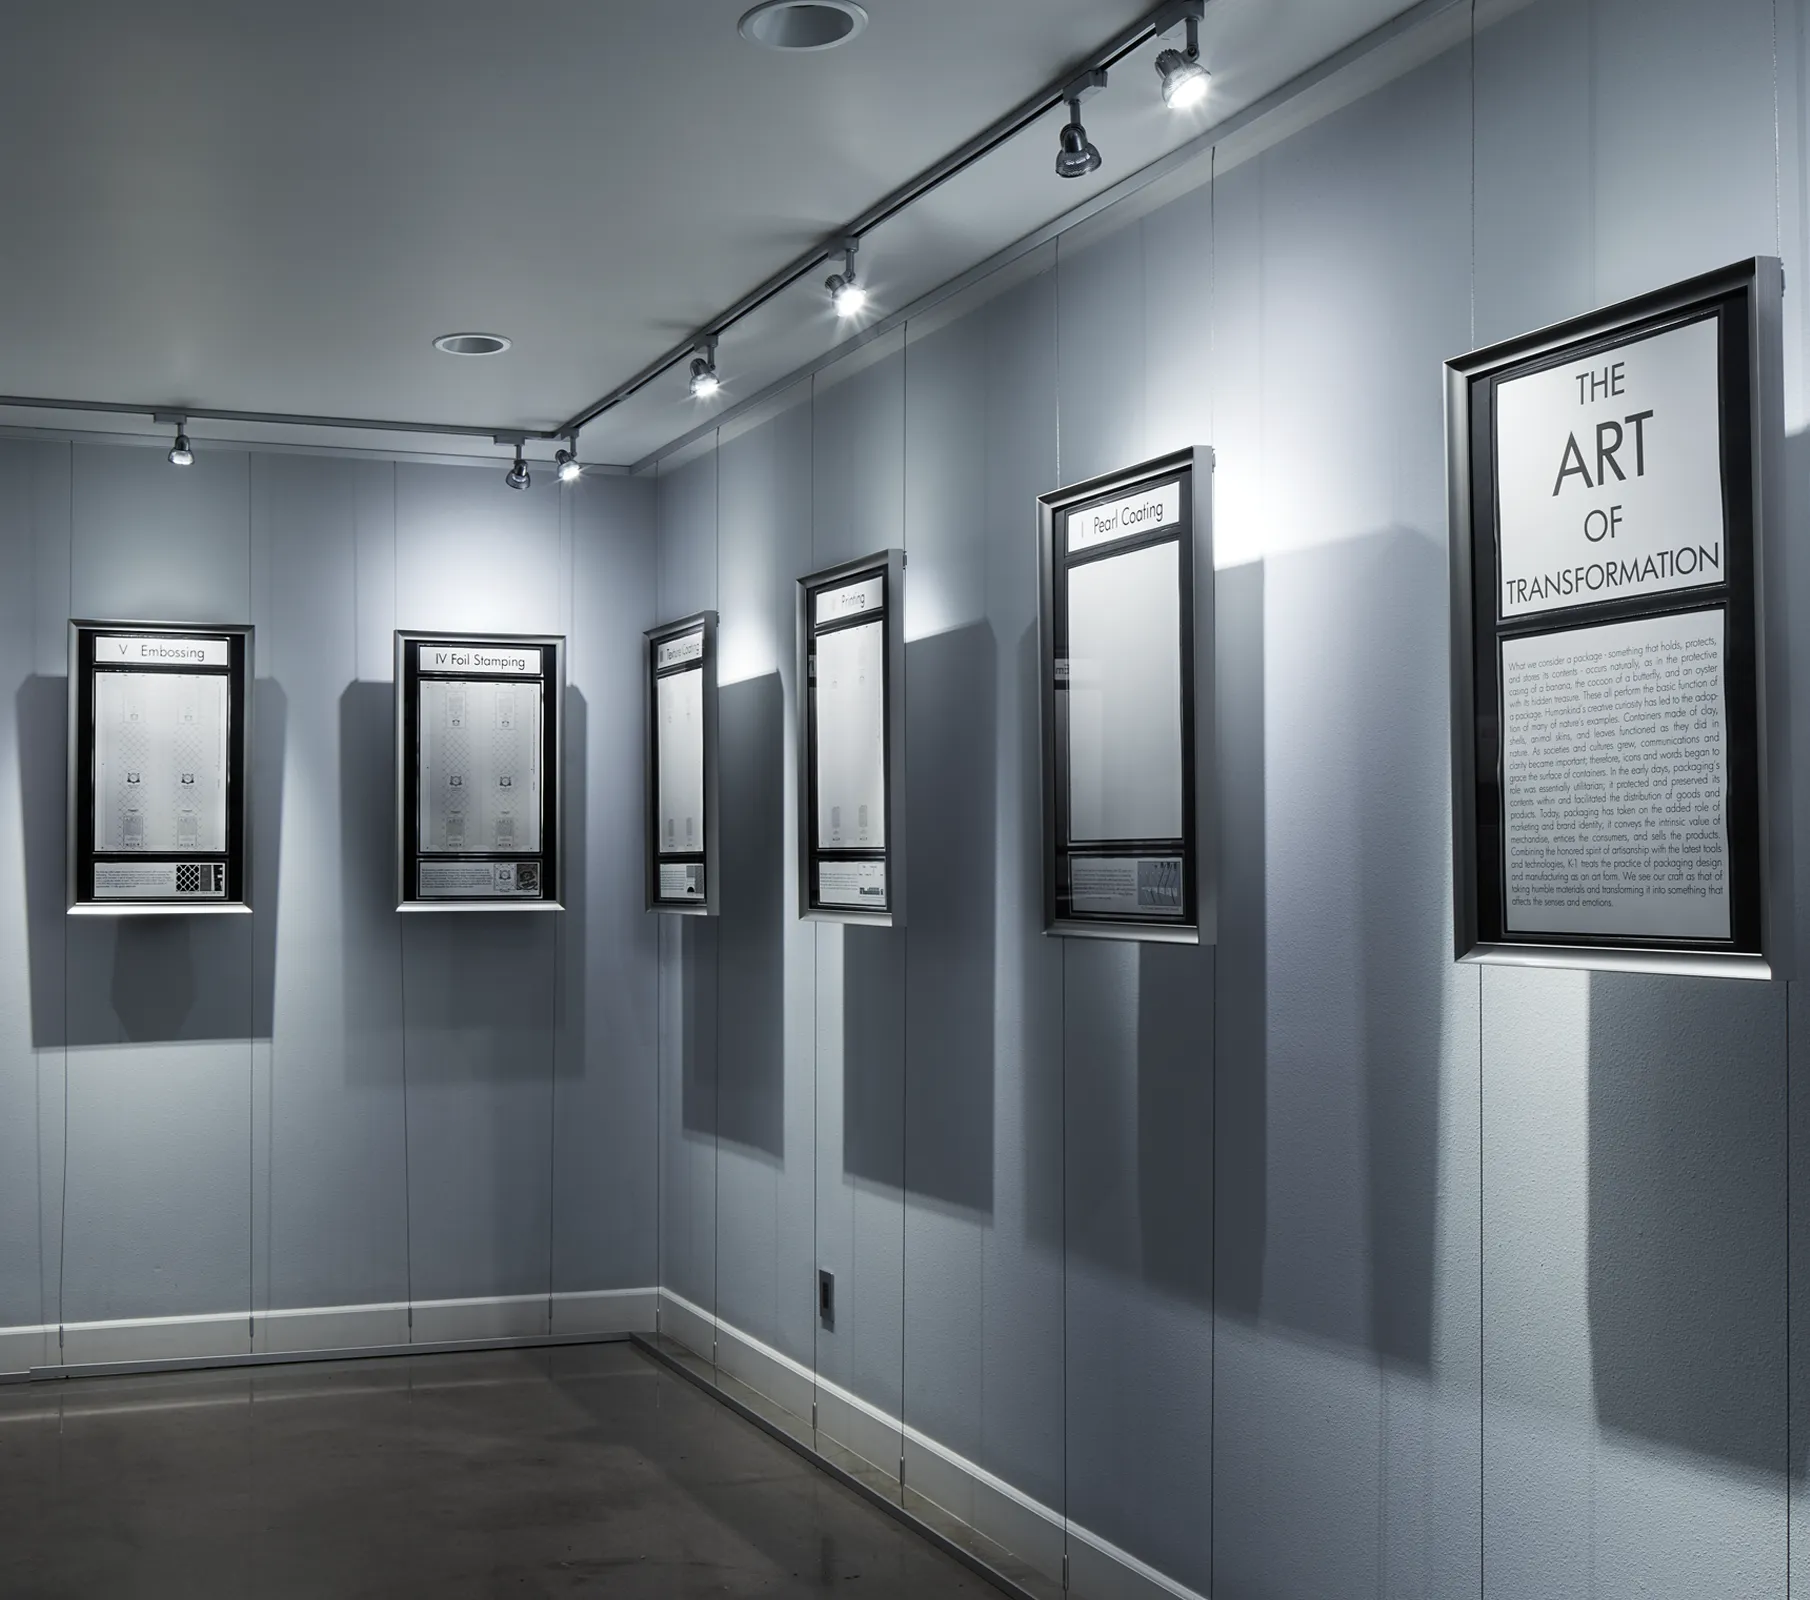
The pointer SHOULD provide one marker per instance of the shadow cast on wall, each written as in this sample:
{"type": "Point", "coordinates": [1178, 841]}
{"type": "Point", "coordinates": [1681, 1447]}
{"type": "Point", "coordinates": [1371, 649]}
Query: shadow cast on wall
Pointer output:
{"type": "Point", "coordinates": [270, 709]}
{"type": "Point", "coordinates": [1687, 1236]}
{"type": "Point", "coordinates": [572, 998]}
{"type": "Point", "coordinates": [873, 1055]}
{"type": "Point", "coordinates": [1357, 1027]}
{"type": "Point", "coordinates": [952, 728]}
{"type": "Point", "coordinates": [696, 974]}
{"type": "Point", "coordinates": [750, 1108]}
{"type": "Point", "coordinates": [1402, 787]}
{"type": "Point", "coordinates": [1038, 980]}
{"type": "Point", "coordinates": [143, 979]}
{"type": "Point", "coordinates": [1241, 1002]}
{"type": "Point", "coordinates": [1175, 1040]}
{"type": "Point", "coordinates": [370, 932]}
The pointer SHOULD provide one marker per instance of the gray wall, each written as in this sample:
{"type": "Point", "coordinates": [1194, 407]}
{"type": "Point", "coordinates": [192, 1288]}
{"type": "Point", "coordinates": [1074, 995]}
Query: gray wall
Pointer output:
{"type": "Point", "coordinates": [1315, 1265]}
{"type": "Point", "coordinates": [322, 1105]}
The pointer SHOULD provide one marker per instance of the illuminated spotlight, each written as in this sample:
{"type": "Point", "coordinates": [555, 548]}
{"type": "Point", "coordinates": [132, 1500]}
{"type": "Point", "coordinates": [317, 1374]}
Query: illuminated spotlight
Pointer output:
{"type": "Point", "coordinates": [182, 454]}
{"type": "Point", "coordinates": [517, 476]}
{"type": "Point", "coordinates": [1077, 156]}
{"type": "Point", "coordinates": [567, 463]}
{"type": "Point", "coordinates": [1185, 80]}
{"type": "Point", "coordinates": [847, 294]}
{"type": "Point", "coordinates": [704, 379]}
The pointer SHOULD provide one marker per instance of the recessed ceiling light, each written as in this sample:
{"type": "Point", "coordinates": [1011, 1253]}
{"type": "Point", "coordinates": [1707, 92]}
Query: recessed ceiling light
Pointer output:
{"type": "Point", "coordinates": [803, 24]}
{"type": "Point", "coordinates": [471, 344]}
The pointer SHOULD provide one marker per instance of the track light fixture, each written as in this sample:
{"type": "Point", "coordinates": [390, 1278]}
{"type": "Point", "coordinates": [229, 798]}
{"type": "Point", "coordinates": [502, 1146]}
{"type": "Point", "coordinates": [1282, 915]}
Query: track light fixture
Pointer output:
{"type": "Point", "coordinates": [704, 380]}
{"type": "Point", "coordinates": [182, 453]}
{"type": "Point", "coordinates": [566, 461]}
{"type": "Point", "coordinates": [1185, 80]}
{"type": "Point", "coordinates": [847, 294]}
{"type": "Point", "coordinates": [1077, 156]}
{"type": "Point", "coordinates": [517, 475]}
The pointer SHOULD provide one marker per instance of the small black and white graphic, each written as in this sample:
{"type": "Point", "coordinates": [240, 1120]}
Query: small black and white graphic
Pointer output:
{"type": "Point", "coordinates": [1160, 884]}
{"type": "Point", "coordinates": [200, 877]}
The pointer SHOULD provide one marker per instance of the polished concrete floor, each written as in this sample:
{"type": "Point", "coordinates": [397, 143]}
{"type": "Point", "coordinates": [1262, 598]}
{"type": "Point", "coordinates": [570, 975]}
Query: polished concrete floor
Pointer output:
{"type": "Point", "coordinates": [585, 1470]}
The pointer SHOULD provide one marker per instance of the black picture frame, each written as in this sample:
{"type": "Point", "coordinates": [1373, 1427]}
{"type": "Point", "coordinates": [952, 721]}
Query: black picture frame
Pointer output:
{"type": "Point", "coordinates": [1744, 301]}
{"type": "Point", "coordinates": [705, 861]}
{"type": "Point", "coordinates": [204, 883]}
{"type": "Point", "coordinates": [888, 568]}
{"type": "Point", "coordinates": [1193, 918]}
{"type": "Point", "coordinates": [547, 864]}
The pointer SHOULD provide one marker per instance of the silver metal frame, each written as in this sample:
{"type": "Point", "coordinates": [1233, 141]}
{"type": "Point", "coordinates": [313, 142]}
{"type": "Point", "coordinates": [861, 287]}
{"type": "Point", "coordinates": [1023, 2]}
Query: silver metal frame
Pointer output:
{"type": "Point", "coordinates": [711, 906]}
{"type": "Point", "coordinates": [892, 564]}
{"type": "Point", "coordinates": [1199, 701]}
{"type": "Point", "coordinates": [1762, 280]}
{"type": "Point", "coordinates": [555, 680]}
{"type": "Point", "coordinates": [74, 789]}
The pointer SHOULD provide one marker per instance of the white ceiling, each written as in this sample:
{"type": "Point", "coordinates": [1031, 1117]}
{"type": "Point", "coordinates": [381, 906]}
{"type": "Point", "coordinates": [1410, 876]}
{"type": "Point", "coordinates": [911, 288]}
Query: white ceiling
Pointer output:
{"type": "Point", "coordinates": [276, 208]}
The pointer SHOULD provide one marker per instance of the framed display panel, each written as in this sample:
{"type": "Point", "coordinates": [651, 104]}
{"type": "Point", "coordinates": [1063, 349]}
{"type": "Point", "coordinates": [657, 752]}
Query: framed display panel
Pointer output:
{"type": "Point", "coordinates": [1613, 504]}
{"type": "Point", "coordinates": [159, 751]}
{"type": "Point", "coordinates": [682, 766]}
{"type": "Point", "coordinates": [851, 777]}
{"type": "Point", "coordinates": [1126, 669]}
{"type": "Point", "coordinates": [480, 724]}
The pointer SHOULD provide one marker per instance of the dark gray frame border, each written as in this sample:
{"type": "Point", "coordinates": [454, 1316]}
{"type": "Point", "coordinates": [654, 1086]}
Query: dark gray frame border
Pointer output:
{"type": "Point", "coordinates": [76, 906]}
{"type": "Point", "coordinates": [1199, 700]}
{"type": "Point", "coordinates": [710, 906]}
{"type": "Point", "coordinates": [891, 563]}
{"type": "Point", "coordinates": [555, 679]}
{"type": "Point", "coordinates": [1762, 278]}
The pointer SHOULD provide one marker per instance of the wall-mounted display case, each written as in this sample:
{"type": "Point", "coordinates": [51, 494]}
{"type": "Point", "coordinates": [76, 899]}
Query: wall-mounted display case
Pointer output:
{"type": "Point", "coordinates": [851, 775]}
{"type": "Point", "coordinates": [159, 752]}
{"type": "Point", "coordinates": [681, 852]}
{"type": "Point", "coordinates": [1129, 775]}
{"type": "Point", "coordinates": [1614, 509]}
{"type": "Point", "coordinates": [479, 745]}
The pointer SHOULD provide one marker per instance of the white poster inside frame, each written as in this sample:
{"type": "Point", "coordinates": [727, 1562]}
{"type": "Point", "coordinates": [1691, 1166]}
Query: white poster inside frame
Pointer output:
{"type": "Point", "coordinates": [479, 729]}
{"type": "Point", "coordinates": [1126, 631]}
{"type": "Point", "coordinates": [680, 848]}
{"type": "Point", "coordinates": [159, 747]}
{"type": "Point", "coordinates": [1617, 546]}
{"type": "Point", "coordinates": [851, 741]}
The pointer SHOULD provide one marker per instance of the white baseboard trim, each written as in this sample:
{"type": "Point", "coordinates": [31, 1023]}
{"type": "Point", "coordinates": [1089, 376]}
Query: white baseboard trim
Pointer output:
{"type": "Point", "coordinates": [301, 1331]}
{"type": "Point", "coordinates": [1009, 1517]}
{"type": "Point", "coordinates": [198, 1338]}
{"type": "Point", "coordinates": [604, 1311]}
{"type": "Point", "coordinates": [21, 1349]}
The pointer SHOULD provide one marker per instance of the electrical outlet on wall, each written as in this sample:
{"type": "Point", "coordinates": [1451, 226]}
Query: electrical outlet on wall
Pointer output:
{"type": "Point", "coordinates": [826, 1299]}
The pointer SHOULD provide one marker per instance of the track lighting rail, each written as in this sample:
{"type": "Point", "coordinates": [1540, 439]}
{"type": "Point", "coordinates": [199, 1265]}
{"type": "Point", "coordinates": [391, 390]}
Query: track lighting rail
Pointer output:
{"type": "Point", "coordinates": [1051, 97]}
{"type": "Point", "coordinates": [277, 419]}
{"type": "Point", "coordinates": [1059, 92]}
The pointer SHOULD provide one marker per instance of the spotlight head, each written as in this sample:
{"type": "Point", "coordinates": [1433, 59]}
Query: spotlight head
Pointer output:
{"type": "Point", "coordinates": [704, 381]}
{"type": "Point", "coordinates": [181, 453]}
{"type": "Point", "coordinates": [1077, 157]}
{"type": "Point", "coordinates": [567, 463]}
{"type": "Point", "coordinates": [1185, 80]}
{"type": "Point", "coordinates": [845, 290]}
{"type": "Point", "coordinates": [846, 294]}
{"type": "Point", "coordinates": [517, 475]}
